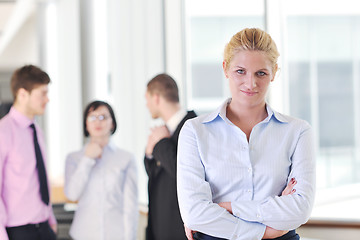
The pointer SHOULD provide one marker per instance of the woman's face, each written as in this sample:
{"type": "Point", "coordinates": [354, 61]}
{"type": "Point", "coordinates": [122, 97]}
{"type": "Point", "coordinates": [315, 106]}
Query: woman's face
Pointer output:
{"type": "Point", "coordinates": [99, 122]}
{"type": "Point", "coordinates": [249, 74]}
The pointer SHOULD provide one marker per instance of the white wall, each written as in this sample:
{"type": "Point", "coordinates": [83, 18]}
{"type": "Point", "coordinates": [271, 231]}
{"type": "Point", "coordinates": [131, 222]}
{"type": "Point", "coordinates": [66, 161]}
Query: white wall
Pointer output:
{"type": "Point", "coordinates": [117, 70]}
{"type": "Point", "coordinates": [60, 57]}
{"type": "Point", "coordinates": [136, 54]}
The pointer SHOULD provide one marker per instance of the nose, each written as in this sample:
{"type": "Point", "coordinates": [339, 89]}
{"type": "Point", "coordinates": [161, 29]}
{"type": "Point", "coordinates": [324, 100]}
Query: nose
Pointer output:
{"type": "Point", "coordinates": [250, 82]}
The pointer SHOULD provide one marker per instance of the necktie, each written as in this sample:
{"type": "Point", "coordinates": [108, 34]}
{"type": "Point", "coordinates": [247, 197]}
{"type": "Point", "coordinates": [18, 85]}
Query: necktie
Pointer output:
{"type": "Point", "coordinates": [41, 169]}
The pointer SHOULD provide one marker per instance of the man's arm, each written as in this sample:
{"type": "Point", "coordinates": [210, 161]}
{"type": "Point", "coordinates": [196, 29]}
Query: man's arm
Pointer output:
{"type": "Point", "coordinates": [198, 211]}
{"type": "Point", "coordinates": [290, 211]}
{"type": "Point", "coordinates": [52, 219]}
{"type": "Point", "coordinates": [149, 165]}
{"type": "Point", "coordinates": [3, 215]}
{"type": "Point", "coordinates": [163, 149]}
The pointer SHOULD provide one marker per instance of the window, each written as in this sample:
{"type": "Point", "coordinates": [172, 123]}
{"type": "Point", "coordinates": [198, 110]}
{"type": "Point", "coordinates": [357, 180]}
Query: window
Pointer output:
{"type": "Point", "coordinates": [324, 89]}
{"type": "Point", "coordinates": [319, 71]}
{"type": "Point", "coordinates": [207, 32]}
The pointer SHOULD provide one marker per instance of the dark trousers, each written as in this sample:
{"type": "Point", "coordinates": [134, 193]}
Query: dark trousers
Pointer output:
{"type": "Point", "coordinates": [40, 231]}
{"type": "Point", "coordinates": [291, 235]}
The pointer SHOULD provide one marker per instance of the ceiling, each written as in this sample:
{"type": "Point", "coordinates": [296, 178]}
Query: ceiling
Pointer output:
{"type": "Point", "coordinates": [18, 43]}
{"type": "Point", "coordinates": [6, 8]}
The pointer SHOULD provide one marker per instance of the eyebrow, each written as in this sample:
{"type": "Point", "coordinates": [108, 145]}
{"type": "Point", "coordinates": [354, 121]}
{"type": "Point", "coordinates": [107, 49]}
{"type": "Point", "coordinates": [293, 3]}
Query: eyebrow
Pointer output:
{"type": "Point", "coordinates": [262, 69]}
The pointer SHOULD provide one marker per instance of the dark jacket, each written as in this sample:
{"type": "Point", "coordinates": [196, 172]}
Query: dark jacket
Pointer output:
{"type": "Point", "coordinates": [164, 221]}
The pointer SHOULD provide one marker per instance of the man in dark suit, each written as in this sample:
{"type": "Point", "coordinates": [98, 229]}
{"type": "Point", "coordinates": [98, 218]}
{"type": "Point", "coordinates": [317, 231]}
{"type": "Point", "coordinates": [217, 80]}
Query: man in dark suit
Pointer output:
{"type": "Point", "coordinates": [162, 100]}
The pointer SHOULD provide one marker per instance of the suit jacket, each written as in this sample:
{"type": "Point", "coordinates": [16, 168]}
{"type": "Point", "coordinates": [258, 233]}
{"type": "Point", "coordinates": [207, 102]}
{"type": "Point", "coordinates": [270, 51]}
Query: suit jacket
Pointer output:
{"type": "Point", "coordinates": [164, 220]}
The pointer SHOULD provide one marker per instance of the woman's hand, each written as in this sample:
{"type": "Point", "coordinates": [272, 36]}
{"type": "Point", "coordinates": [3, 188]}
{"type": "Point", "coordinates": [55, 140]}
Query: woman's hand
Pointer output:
{"type": "Point", "coordinates": [93, 150]}
{"type": "Point", "coordinates": [269, 232]}
{"type": "Point", "coordinates": [189, 233]}
{"type": "Point", "coordinates": [226, 205]}
{"type": "Point", "coordinates": [273, 233]}
{"type": "Point", "coordinates": [289, 188]}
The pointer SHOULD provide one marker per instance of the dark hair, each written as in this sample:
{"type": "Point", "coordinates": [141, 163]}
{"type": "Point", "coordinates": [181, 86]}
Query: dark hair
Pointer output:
{"type": "Point", "coordinates": [164, 85]}
{"type": "Point", "coordinates": [92, 107]}
{"type": "Point", "coordinates": [28, 77]}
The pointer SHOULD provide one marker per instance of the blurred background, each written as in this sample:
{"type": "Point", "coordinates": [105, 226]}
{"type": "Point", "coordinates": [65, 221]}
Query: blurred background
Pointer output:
{"type": "Point", "coordinates": [110, 49]}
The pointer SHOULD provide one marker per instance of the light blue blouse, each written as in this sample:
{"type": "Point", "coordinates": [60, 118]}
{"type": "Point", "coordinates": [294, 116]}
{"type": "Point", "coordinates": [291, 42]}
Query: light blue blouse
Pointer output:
{"type": "Point", "coordinates": [216, 163]}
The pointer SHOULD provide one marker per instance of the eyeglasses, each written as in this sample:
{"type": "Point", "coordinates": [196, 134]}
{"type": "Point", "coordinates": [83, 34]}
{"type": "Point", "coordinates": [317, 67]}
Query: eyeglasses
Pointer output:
{"type": "Point", "coordinates": [92, 118]}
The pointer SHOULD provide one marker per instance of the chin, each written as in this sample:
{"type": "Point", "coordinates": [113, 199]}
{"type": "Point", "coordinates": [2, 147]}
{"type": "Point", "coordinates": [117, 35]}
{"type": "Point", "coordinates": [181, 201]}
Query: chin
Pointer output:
{"type": "Point", "coordinates": [40, 112]}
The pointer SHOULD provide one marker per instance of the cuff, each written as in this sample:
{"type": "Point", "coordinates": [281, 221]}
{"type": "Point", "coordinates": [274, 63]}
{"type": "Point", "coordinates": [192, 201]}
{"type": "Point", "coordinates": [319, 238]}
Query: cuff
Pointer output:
{"type": "Point", "coordinates": [3, 234]}
{"type": "Point", "coordinates": [87, 162]}
{"type": "Point", "coordinates": [248, 230]}
{"type": "Point", "coordinates": [248, 210]}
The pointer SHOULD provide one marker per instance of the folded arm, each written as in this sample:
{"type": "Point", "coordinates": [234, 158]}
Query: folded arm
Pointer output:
{"type": "Point", "coordinates": [198, 211]}
{"type": "Point", "coordinates": [3, 215]}
{"type": "Point", "coordinates": [288, 211]}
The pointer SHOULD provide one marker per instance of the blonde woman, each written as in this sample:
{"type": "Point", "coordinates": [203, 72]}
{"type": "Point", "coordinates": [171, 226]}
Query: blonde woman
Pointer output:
{"type": "Point", "coordinates": [234, 163]}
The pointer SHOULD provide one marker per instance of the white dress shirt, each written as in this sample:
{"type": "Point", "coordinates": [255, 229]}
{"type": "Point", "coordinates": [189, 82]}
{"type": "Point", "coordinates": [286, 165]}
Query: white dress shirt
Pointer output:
{"type": "Point", "coordinates": [174, 121]}
{"type": "Point", "coordinates": [107, 195]}
{"type": "Point", "coordinates": [216, 163]}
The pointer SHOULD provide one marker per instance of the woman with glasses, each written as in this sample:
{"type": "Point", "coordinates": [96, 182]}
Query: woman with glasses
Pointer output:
{"type": "Point", "coordinates": [234, 163]}
{"type": "Point", "coordinates": [103, 180]}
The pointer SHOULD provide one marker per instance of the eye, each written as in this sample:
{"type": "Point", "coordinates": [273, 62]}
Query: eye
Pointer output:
{"type": "Point", "coordinates": [101, 117]}
{"type": "Point", "coordinates": [240, 71]}
{"type": "Point", "coordinates": [261, 73]}
{"type": "Point", "coordinates": [91, 118]}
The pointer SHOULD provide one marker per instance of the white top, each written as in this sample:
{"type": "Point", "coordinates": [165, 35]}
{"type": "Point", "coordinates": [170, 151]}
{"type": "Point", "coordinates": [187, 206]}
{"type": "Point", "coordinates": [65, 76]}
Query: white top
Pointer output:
{"type": "Point", "coordinates": [107, 195]}
{"type": "Point", "coordinates": [175, 119]}
{"type": "Point", "coordinates": [216, 163]}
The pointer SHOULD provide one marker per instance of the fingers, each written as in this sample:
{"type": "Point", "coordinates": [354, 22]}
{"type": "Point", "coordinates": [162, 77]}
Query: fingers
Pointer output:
{"type": "Point", "coordinates": [290, 187]}
{"type": "Point", "coordinates": [189, 233]}
{"type": "Point", "coordinates": [226, 205]}
{"type": "Point", "coordinates": [291, 184]}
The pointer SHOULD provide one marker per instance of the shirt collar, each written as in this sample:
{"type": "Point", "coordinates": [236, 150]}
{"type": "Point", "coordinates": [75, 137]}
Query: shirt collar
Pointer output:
{"type": "Point", "coordinates": [271, 113]}
{"type": "Point", "coordinates": [22, 120]}
{"type": "Point", "coordinates": [110, 146]}
{"type": "Point", "coordinates": [174, 121]}
{"type": "Point", "coordinates": [221, 112]}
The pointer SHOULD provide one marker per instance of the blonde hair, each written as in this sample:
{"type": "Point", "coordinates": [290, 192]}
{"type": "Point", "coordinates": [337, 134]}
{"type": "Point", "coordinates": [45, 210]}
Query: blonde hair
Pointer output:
{"type": "Point", "coordinates": [253, 39]}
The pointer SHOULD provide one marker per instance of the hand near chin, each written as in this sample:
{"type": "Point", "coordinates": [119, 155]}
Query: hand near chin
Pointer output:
{"type": "Point", "coordinates": [155, 136]}
{"type": "Point", "coordinates": [93, 150]}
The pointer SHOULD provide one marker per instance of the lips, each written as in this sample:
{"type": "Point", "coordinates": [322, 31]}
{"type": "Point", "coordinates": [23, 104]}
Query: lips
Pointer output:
{"type": "Point", "coordinates": [248, 93]}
